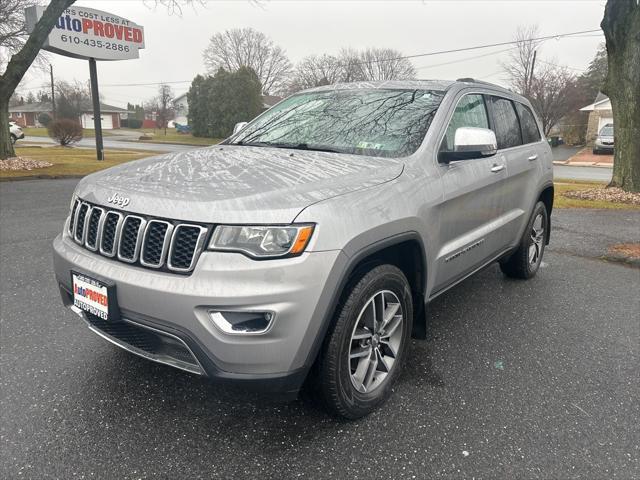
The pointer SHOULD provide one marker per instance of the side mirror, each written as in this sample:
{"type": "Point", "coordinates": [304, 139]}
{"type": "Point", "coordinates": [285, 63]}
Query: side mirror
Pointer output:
{"type": "Point", "coordinates": [471, 142]}
{"type": "Point", "coordinates": [239, 126]}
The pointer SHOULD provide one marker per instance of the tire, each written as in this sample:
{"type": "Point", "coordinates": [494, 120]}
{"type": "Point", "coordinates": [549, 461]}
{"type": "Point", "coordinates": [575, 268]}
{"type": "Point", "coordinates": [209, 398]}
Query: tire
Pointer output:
{"type": "Point", "coordinates": [525, 261]}
{"type": "Point", "coordinates": [14, 139]}
{"type": "Point", "coordinates": [596, 151]}
{"type": "Point", "coordinates": [353, 387]}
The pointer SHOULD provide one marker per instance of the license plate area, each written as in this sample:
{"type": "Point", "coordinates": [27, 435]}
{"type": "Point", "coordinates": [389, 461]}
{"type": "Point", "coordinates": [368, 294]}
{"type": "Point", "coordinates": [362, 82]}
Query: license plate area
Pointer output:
{"type": "Point", "coordinates": [94, 296]}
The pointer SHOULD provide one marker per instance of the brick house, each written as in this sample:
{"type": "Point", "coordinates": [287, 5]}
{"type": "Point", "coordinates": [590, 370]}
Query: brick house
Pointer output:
{"type": "Point", "coordinates": [600, 114]}
{"type": "Point", "coordinates": [27, 115]}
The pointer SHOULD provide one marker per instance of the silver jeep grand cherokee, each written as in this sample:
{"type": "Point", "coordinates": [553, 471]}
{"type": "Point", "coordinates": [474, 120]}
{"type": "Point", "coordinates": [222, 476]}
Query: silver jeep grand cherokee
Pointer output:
{"type": "Point", "coordinates": [313, 237]}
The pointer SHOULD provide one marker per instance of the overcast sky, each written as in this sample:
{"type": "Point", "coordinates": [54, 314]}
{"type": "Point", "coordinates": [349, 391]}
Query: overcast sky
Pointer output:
{"type": "Point", "coordinates": [174, 44]}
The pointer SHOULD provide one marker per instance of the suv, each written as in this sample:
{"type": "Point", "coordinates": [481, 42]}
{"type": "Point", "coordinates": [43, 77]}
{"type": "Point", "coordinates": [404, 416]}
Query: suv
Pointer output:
{"type": "Point", "coordinates": [15, 132]}
{"type": "Point", "coordinates": [604, 140]}
{"type": "Point", "coordinates": [312, 240]}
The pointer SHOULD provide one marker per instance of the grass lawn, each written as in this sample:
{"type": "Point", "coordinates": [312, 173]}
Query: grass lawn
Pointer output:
{"type": "Point", "coordinates": [42, 132]}
{"type": "Point", "coordinates": [173, 137]}
{"type": "Point", "coordinates": [562, 186]}
{"type": "Point", "coordinates": [71, 161]}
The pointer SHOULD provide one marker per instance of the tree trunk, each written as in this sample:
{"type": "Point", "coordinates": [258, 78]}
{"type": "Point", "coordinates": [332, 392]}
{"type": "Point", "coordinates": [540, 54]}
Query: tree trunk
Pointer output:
{"type": "Point", "coordinates": [6, 148]}
{"type": "Point", "coordinates": [621, 26]}
{"type": "Point", "coordinates": [20, 63]}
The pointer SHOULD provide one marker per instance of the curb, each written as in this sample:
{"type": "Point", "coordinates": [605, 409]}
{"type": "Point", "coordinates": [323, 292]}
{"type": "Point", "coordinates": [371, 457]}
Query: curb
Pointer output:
{"type": "Point", "coordinates": [40, 177]}
{"type": "Point", "coordinates": [582, 164]}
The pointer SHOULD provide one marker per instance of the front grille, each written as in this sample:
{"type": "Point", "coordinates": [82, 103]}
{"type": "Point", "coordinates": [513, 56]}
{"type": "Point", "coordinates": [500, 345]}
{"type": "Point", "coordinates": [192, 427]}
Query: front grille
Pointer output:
{"type": "Point", "coordinates": [149, 242]}
{"type": "Point", "coordinates": [147, 342]}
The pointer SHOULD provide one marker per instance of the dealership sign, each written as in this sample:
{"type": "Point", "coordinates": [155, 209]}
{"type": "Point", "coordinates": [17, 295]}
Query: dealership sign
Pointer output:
{"type": "Point", "coordinates": [82, 32]}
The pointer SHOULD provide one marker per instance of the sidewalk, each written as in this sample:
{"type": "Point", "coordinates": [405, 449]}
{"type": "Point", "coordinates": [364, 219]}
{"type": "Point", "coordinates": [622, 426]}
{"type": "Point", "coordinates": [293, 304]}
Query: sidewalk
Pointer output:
{"type": "Point", "coordinates": [586, 158]}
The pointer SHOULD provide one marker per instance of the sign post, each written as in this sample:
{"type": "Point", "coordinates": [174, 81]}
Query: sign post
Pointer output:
{"type": "Point", "coordinates": [92, 35]}
{"type": "Point", "coordinates": [95, 97]}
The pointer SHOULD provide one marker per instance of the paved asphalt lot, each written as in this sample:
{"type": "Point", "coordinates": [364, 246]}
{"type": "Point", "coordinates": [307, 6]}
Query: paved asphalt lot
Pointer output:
{"type": "Point", "coordinates": [533, 379]}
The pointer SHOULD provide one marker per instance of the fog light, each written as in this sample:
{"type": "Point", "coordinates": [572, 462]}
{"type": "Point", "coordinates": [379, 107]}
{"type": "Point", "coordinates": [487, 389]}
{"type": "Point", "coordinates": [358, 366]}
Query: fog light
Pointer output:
{"type": "Point", "coordinates": [242, 323]}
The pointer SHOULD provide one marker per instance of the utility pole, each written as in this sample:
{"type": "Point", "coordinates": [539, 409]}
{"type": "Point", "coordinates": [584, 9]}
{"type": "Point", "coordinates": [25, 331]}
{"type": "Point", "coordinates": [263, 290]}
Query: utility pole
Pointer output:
{"type": "Point", "coordinates": [530, 79]}
{"type": "Point", "coordinates": [53, 95]}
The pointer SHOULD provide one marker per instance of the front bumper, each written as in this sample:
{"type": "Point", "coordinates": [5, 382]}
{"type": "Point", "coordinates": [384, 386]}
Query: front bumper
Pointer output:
{"type": "Point", "coordinates": [298, 290]}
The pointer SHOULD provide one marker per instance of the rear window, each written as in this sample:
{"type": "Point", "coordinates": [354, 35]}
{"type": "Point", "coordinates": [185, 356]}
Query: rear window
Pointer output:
{"type": "Point", "coordinates": [530, 132]}
{"type": "Point", "coordinates": [505, 123]}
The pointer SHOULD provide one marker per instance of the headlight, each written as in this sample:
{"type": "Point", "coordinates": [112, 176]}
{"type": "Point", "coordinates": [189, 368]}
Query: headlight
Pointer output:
{"type": "Point", "coordinates": [262, 241]}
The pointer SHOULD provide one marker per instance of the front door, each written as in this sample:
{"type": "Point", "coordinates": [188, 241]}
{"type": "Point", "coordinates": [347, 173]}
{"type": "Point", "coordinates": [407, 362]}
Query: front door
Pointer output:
{"type": "Point", "coordinates": [473, 200]}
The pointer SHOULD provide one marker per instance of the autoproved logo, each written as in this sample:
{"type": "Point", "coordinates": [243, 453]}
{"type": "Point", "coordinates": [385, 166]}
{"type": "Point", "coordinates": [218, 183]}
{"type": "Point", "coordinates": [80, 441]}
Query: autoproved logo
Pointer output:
{"type": "Point", "coordinates": [119, 200]}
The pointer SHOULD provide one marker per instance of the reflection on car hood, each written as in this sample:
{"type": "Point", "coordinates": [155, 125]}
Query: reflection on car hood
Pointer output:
{"type": "Point", "coordinates": [236, 184]}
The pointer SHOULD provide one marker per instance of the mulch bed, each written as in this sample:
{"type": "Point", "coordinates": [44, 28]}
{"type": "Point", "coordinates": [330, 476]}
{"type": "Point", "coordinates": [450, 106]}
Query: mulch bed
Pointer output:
{"type": "Point", "coordinates": [23, 163]}
{"type": "Point", "coordinates": [611, 194]}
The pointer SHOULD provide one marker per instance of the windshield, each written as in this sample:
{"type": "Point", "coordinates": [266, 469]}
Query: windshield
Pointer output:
{"type": "Point", "coordinates": [377, 122]}
{"type": "Point", "coordinates": [607, 131]}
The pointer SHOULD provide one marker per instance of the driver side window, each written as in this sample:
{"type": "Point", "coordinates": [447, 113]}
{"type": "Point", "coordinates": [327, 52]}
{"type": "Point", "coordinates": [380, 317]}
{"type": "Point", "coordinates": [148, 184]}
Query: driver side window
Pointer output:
{"type": "Point", "coordinates": [470, 112]}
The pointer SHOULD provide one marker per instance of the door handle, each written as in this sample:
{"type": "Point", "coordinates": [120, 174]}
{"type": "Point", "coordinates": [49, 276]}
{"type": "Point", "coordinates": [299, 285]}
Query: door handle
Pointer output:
{"type": "Point", "coordinates": [532, 158]}
{"type": "Point", "coordinates": [497, 168]}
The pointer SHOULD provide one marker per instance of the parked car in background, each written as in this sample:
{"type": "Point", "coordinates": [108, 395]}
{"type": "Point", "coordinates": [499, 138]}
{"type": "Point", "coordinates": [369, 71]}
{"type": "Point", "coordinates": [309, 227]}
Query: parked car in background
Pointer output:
{"type": "Point", "coordinates": [15, 131]}
{"type": "Point", "coordinates": [311, 241]}
{"type": "Point", "coordinates": [604, 140]}
{"type": "Point", "coordinates": [182, 128]}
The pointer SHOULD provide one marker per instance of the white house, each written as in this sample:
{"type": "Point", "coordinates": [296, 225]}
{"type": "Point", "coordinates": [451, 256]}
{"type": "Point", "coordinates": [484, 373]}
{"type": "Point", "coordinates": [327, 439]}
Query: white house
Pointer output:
{"type": "Point", "coordinates": [600, 114]}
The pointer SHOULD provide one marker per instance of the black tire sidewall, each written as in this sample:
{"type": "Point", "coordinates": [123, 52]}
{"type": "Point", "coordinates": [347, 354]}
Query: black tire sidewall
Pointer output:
{"type": "Point", "coordinates": [384, 277]}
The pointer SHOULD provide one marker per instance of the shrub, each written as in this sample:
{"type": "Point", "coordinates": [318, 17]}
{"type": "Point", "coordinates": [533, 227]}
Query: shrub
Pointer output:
{"type": "Point", "coordinates": [65, 131]}
{"type": "Point", "coordinates": [44, 119]}
{"type": "Point", "coordinates": [131, 123]}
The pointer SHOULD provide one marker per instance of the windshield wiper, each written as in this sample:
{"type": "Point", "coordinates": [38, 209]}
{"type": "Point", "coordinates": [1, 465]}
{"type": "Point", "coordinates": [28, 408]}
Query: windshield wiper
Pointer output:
{"type": "Point", "coordinates": [294, 146]}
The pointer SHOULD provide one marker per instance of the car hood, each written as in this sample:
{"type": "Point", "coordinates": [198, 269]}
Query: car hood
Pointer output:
{"type": "Point", "coordinates": [235, 184]}
{"type": "Point", "coordinates": [605, 138]}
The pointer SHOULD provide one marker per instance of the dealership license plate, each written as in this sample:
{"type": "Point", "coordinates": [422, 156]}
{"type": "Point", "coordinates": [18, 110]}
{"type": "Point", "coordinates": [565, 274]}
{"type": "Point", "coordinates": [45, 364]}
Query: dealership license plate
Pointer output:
{"type": "Point", "coordinates": [90, 295]}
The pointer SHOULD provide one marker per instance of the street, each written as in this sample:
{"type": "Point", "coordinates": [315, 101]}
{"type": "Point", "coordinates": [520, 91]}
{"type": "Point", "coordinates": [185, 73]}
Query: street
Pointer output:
{"type": "Point", "coordinates": [534, 379]}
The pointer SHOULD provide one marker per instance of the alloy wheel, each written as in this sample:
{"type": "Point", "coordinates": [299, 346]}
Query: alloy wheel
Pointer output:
{"type": "Point", "coordinates": [537, 239]}
{"type": "Point", "coordinates": [375, 341]}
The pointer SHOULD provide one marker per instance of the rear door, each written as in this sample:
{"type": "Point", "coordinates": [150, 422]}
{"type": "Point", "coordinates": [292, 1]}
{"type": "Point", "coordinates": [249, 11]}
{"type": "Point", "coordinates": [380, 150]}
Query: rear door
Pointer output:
{"type": "Point", "coordinates": [473, 202]}
{"type": "Point", "coordinates": [519, 145]}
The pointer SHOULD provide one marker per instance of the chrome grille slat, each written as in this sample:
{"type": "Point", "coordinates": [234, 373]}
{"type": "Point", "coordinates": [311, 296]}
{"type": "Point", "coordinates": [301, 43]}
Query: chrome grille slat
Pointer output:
{"type": "Point", "coordinates": [175, 261]}
{"type": "Point", "coordinates": [110, 233]}
{"type": "Point", "coordinates": [95, 217]}
{"type": "Point", "coordinates": [157, 236]}
{"type": "Point", "coordinates": [80, 224]}
{"type": "Point", "coordinates": [130, 238]}
{"type": "Point", "coordinates": [149, 242]}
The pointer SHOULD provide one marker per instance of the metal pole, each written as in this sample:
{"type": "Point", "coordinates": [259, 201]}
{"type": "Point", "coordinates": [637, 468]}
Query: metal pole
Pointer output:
{"type": "Point", "coordinates": [530, 80]}
{"type": "Point", "coordinates": [97, 121]}
{"type": "Point", "coordinates": [53, 95]}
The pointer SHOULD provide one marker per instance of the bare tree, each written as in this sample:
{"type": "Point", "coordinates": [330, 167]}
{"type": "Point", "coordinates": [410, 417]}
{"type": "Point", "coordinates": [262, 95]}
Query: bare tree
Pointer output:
{"type": "Point", "coordinates": [73, 98]}
{"type": "Point", "coordinates": [621, 26]}
{"type": "Point", "coordinates": [316, 70]}
{"type": "Point", "coordinates": [162, 104]}
{"type": "Point", "coordinates": [246, 47]}
{"type": "Point", "coordinates": [520, 64]}
{"type": "Point", "coordinates": [13, 31]}
{"type": "Point", "coordinates": [553, 94]}
{"type": "Point", "coordinates": [384, 64]}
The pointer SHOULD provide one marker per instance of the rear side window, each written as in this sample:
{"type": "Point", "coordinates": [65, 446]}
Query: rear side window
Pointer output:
{"type": "Point", "coordinates": [530, 132]}
{"type": "Point", "coordinates": [470, 112]}
{"type": "Point", "coordinates": [505, 122]}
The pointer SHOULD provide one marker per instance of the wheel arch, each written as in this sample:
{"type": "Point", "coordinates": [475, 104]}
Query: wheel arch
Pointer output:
{"type": "Point", "coordinates": [546, 197]}
{"type": "Point", "coordinates": [404, 250]}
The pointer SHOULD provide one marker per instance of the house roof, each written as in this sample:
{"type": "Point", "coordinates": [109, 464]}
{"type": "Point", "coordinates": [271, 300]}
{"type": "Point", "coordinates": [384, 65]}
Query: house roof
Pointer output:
{"type": "Point", "coordinates": [180, 97]}
{"type": "Point", "coordinates": [270, 100]}
{"type": "Point", "coordinates": [601, 100]}
{"type": "Point", "coordinates": [40, 107]}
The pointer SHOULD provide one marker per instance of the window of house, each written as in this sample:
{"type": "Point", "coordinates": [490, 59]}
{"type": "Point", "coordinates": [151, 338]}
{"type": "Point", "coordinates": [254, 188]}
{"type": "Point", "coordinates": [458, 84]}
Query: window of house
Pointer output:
{"type": "Point", "coordinates": [470, 112]}
{"type": "Point", "coordinates": [505, 122]}
{"type": "Point", "coordinates": [530, 132]}
{"type": "Point", "coordinates": [18, 114]}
